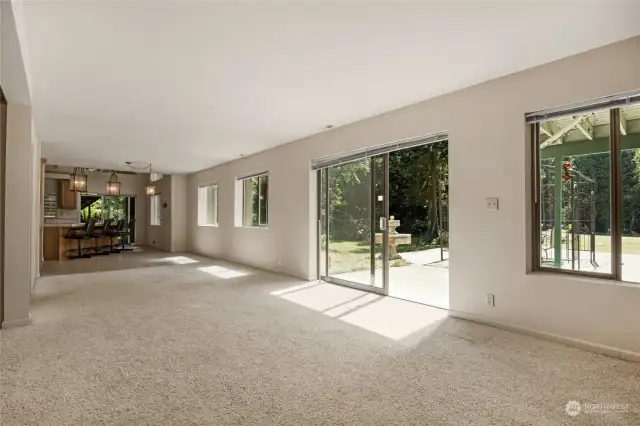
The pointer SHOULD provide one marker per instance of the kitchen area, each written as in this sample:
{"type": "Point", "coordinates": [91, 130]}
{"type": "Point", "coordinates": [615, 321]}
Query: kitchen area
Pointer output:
{"type": "Point", "coordinates": [71, 197]}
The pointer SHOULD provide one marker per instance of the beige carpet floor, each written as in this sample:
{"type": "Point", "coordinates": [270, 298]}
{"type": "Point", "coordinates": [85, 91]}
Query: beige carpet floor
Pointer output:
{"type": "Point", "coordinates": [199, 342]}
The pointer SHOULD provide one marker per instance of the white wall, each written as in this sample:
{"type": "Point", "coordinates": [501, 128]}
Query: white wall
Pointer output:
{"type": "Point", "coordinates": [178, 213]}
{"type": "Point", "coordinates": [171, 235]}
{"type": "Point", "coordinates": [36, 206]}
{"type": "Point", "coordinates": [18, 274]}
{"type": "Point", "coordinates": [488, 154]}
{"type": "Point", "coordinates": [159, 236]}
{"type": "Point", "coordinates": [19, 216]}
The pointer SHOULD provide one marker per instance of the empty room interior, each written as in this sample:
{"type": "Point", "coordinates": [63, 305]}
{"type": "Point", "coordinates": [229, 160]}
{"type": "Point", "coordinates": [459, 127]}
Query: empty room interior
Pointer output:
{"type": "Point", "coordinates": [305, 212]}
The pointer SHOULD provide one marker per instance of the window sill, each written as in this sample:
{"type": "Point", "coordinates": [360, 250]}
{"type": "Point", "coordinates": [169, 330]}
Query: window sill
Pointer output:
{"type": "Point", "coordinates": [155, 225]}
{"type": "Point", "coordinates": [254, 227]}
{"type": "Point", "coordinates": [208, 226]}
{"type": "Point", "coordinates": [591, 278]}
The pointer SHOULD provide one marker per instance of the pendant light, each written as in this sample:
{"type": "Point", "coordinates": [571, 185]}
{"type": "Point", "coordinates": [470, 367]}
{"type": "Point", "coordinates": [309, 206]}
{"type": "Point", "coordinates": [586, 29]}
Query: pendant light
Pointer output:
{"type": "Point", "coordinates": [150, 188]}
{"type": "Point", "coordinates": [113, 185]}
{"type": "Point", "coordinates": [78, 180]}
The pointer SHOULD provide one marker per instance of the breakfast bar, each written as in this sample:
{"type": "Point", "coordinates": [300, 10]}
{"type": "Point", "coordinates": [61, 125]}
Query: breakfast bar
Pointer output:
{"type": "Point", "coordinates": [56, 245]}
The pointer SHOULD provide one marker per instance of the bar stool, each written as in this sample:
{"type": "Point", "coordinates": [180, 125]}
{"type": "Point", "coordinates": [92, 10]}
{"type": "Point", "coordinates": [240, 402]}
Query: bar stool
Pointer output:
{"type": "Point", "coordinates": [81, 235]}
{"type": "Point", "coordinates": [96, 234]}
{"type": "Point", "coordinates": [127, 231]}
{"type": "Point", "coordinates": [115, 233]}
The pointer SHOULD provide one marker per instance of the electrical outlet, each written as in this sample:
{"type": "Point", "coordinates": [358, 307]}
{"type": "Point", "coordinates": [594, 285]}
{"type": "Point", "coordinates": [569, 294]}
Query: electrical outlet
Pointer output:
{"type": "Point", "coordinates": [491, 301]}
{"type": "Point", "coordinates": [491, 204]}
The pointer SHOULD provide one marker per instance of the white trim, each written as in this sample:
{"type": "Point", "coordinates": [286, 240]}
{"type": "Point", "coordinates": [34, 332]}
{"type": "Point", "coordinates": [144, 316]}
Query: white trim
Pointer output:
{"type": "Point", "coordinates": [607, 102]}
{"type": "Point", "coordinates": [569, 341]}
{"type": "Point", "coordinates": [200, 185]}
{"type": "Point", "coordinates": [16, 323]}
{"type": "Point", "coordinates": [253, 175]}
{"type": "Point", "coordinates": [359, 154]}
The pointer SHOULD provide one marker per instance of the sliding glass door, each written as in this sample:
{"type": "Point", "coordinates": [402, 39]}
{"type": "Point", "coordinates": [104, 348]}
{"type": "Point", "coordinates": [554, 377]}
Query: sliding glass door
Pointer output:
{"type": "Point", "coordinates": [349, 219]}
{"type": "Point", "coordinates": [383, 223]}
{"type": "Point", "coordinates": [101, 207]}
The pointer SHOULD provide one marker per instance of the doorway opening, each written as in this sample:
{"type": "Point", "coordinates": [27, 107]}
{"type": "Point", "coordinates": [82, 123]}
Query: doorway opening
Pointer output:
{"type": "Point", "coordinates": [383, 222]}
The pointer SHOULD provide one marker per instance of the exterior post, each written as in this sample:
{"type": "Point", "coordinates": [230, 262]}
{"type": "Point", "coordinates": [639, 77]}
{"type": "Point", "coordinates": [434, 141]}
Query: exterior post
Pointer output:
{"type": "Point", "coordinates": [557, 217]}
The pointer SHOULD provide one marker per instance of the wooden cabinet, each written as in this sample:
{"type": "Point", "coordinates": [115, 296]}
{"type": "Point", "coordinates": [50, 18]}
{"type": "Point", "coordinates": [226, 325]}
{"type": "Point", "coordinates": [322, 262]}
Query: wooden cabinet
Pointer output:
{"type": "Point", "coordinates": [67, 199]}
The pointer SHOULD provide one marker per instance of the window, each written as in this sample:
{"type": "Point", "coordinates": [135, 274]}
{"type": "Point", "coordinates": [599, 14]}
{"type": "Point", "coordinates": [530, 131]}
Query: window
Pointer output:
{"type": "Point", "coordinates": [100, 207]}
{"type": "Point", "coordinates": [208, 205]}
{"type": "Point", "coordinates": [155, 176]}
{"type": "Point", "coordinates": [586, 216]}
{"type": "Point", "coordinates": [255, 200]}
{"type": "Point", "coordinates": [155, 208]}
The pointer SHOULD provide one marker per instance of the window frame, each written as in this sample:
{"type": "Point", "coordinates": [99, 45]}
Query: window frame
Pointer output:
{"type": "Point", "coordinates": [615, 177]}
{"type": "Point", "coordinates": [155, 203]}
{"type": "Point", "coordinates": [265, 201]}
{"type": "Point", "coordinates": [205, 186]}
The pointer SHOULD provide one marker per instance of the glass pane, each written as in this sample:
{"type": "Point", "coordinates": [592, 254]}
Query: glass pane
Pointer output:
{"type": "Point", "coordinates": [575, 193]}
{"type": "Point", "coordinates": [418, 201]}
{"type": "Point", "coordinates": [250, 207]}
{"type": "Point", "coordinates": [630, 164]}
{"type": "Point", "coordinates": [378, 213]}
{"type": "Point", "coordinates": [114, 207]}
{"type": "Point", "coordinates": [322, 217]}
{"type": "Point", "coordinates": [210, 205]}
{"type": "Point", "coordinates": [264, 200]}
{"type": "Point", "coordinates": [350, 211]}
{"type": "Point", "coordinates": [215, 204]}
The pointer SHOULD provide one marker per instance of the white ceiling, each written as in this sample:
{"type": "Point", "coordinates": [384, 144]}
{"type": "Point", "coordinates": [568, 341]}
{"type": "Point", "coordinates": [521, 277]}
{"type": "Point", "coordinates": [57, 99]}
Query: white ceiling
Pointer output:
{"type": "Point", "coordinates": [187, 85]}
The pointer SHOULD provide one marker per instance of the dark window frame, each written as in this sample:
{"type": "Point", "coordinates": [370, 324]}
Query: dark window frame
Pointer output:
{"type": "Point", "coordinates": [615, 197]}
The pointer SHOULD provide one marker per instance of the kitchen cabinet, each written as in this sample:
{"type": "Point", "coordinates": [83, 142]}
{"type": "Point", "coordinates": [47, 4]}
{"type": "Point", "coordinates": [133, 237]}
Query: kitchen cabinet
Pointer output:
{"type": "Point", "coordinates": [67, 199]}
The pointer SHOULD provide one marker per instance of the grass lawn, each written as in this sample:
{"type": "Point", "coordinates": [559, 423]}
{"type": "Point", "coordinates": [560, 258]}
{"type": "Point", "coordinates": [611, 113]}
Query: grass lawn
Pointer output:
{"type": "Point", "coordinates": [630, 245]}
{"type": "Point", "coordinates": [348, 256]}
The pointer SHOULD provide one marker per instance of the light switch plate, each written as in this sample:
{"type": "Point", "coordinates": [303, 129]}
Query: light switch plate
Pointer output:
{"type": "Point", "coordinates": [491, 204]}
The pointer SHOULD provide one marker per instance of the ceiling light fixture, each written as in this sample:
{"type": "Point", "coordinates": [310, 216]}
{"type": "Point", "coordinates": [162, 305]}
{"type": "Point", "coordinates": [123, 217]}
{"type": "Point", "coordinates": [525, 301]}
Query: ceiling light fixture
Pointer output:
{"type": "Point", "coordinates": [113, 185]}
{"type": "Point", "coordinates": [78, 179]}
{"type": "Point", "coordinates": [149, 188]}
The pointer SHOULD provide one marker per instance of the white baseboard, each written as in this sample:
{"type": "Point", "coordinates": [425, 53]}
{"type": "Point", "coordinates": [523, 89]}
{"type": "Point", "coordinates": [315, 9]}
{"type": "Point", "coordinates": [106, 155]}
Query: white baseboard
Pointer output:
{"type": "Point", "coordinates": [251, 265]}
{"type": "Point", "coordinates": [16, 323]}
{"type": "Point", "coordinates": [569, 341]}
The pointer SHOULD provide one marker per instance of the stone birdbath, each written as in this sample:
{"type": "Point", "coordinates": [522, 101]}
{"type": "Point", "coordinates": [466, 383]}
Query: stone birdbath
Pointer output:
{"type": "Point", "coordinates": [395, 239]}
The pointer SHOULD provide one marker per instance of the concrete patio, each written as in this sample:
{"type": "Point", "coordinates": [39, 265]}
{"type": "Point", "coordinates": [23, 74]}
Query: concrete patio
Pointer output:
{"type": "Point", "coordinates": [424, 280]}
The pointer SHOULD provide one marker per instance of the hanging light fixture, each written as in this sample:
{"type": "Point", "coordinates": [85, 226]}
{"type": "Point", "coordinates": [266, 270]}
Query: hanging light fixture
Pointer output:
{"type": "Point", "coordinates": [113, 185]}
{"type": "Point", "coordinates": [78, 180]}
{"type": "Point", "coordinates": [150, 188]}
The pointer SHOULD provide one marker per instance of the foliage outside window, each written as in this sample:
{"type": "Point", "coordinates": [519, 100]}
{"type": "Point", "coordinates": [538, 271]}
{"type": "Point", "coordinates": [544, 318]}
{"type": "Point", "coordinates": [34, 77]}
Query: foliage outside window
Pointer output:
{"type": "Point", "coordinates": [99, 208]}
{"type": "Point", "coordinates": [587, 207]}
{"type": "Point", "coordinates": [255, 200]}
{"type": "Point", "coordinates": [155, 209]}
{"type": "Point", "coordinates": [208, 205]}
